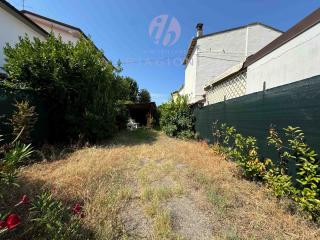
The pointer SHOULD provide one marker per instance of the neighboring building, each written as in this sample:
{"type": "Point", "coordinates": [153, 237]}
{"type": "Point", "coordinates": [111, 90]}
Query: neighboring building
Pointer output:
{"type": "Point", "coordinates": [66, 31]}
{"type": "Point", "coordinates": [14, 24]}
{"type": "Point", "coordinates": [293, 56]}
{"type": "Point", "coordinates": [210, 55]}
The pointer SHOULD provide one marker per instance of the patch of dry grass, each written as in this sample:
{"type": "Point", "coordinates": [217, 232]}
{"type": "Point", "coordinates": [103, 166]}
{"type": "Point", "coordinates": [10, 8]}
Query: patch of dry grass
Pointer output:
{"type": "Point", "coordinates": [249, 210]}
{"type": "Point", "coordinates": [94, 176]}
{"type": "Point", "coordinates": [106, 178]}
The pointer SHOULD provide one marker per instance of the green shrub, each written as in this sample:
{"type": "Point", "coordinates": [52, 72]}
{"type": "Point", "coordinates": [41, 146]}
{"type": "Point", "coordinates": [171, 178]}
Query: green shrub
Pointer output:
{"type": "Point", "coordinates": [279, 184]}
{"type": "Point", "coordinates": [241, 149]}
{"type": "Point", "coordinates": [306, 192]}
{"type": "Point", "coordinates": [244, 151]}
{"type": "Point", "coordinates": [78, 86]}
{"type": "Point", "coordinates": [176, 118]}
{"type": "Point", "coordinates": [47, 218]}
{"type": "Point", "coordinates": [12, 156]}
{"type": "Point", "coordinates": [51, 220]}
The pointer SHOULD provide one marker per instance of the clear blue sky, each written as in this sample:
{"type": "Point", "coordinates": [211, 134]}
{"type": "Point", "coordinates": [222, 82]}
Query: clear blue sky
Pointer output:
{"type": "Point", "coordinates": [121, 29]}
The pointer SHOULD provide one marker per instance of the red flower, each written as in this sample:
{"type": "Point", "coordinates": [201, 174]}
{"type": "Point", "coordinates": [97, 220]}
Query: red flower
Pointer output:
{"type": "Point", "coordinates": [24, 200]}
{"type": "Point", "coordinates": [77, 209]}
{"type": "Point", "coordinates": [3, 224]}
{"type": "Point", "coordinates": [12, 221]}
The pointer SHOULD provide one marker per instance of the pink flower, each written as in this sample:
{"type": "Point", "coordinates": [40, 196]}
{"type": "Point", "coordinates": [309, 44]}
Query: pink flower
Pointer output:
{"type": "Point", "coordinates": [12, 221]}
{"type": "Point", "coordinates": [24, 200]}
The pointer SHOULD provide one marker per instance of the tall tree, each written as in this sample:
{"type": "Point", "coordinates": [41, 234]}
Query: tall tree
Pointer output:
{"type": "Point", "coordinates": [133, 89]}
{"type": "Point", "coordinates": [144, 96]}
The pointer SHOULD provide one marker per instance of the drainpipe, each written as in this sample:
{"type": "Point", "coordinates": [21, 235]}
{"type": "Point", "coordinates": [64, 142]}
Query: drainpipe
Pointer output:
{"type": "Point", "coordinates": [247, 40]}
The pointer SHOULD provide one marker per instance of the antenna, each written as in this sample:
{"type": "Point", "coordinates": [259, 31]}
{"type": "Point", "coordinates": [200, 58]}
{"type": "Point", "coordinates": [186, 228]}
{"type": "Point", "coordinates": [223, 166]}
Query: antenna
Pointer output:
{"type": "Point", "coordinates": [23, 4]}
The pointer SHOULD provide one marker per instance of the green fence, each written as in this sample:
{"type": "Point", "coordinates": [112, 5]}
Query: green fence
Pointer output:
{"type": "Point", "coordinates": [8, 98]}
{"type": "Point", "coordinates": [296, 104]}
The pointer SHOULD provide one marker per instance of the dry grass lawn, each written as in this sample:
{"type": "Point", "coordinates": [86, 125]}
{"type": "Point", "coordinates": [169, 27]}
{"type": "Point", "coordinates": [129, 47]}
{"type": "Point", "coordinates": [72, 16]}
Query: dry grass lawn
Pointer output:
{"type": "Point", "coordinates": [148, 186]}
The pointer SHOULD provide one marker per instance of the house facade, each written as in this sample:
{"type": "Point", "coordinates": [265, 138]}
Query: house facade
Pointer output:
{"type": "Point", "coordinates": [211, 55]}
{"type": "Point", "coordinates": [13, 24]}
{"type": "Point", "coordinates": [67, 32]}
{"type": "Point", "coordinates": [292, 57]}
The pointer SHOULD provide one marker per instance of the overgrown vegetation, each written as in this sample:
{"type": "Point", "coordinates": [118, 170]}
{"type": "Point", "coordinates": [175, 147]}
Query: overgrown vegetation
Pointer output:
{"type": "Point", "coordinates": [81, 90]}
{"type": "Point", "coordinates": [176, 118]}
{"type": "Point", "coordinates": [144, 96]}
{"type": "Point", "coordinates": [14, 154]}
{"type": "Point", "coordinates": [47, 218]}
{"type": "Point", "coordinates": [243, 150]}
{"type": "Point", "coordinates": [199, 195]}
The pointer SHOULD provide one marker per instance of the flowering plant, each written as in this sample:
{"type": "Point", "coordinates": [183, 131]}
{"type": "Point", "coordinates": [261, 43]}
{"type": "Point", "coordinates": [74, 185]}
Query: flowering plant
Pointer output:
{"type": "Point", "coordinates": [49, 218]}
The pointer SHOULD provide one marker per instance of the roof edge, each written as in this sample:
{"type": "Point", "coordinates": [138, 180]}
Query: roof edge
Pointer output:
{"type": "Point", "coordinates": [50, 20]}
{"type": "Point", "coordinates": [195, 39]}
{"type": "Point", "coordinates": [303, 25]}
{"type": "Point", "coordinates": [25, 19]}
{"type": "Point", "coordinates": [240, 27]}
{"type": "Point", "coordinates": [65, 25]}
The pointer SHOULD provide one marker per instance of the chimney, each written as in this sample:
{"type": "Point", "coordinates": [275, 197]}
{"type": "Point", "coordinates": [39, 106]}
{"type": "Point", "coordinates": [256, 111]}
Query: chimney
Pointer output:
{"type": "Point", "coordinates": [199, 29]}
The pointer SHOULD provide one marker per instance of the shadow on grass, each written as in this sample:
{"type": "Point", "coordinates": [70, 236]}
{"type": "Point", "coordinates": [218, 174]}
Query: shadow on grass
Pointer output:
{"type": "Point", "coordinates": [135, 137]}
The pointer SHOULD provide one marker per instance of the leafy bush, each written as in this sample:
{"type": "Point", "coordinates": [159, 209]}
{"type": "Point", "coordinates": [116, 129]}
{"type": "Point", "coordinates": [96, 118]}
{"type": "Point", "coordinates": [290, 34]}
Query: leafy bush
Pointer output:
{"type": "Point", "coordinates": [241, 149]}
{"type": "Point", "coordinates": [176, 118]}
{"type": "Point", "coordinates": [12, 156]}
{"type": "Point", "coordinates": [280, 184]}
{"type": "Point", "coordinates": [47, 218]}
{"type": "Point", "coordinates": [306, 192]}
{"type": "Point", "coordinates": [78, 86]}
{"type": "Point", "coordinates": [244, 151]}
{"type": "Point", "coordinates": [51, 220]}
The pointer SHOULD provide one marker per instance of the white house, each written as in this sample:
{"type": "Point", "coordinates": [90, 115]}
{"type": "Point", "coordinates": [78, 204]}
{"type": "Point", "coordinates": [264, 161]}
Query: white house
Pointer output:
{"type": "Point", "coordinates": [14, 24]}
{"type": "Point", "coordinates": [292, 57]}
{"type": "Point", "coordinates": [210, 55]}
{"type": "Point", "coordinates": [66, 31]}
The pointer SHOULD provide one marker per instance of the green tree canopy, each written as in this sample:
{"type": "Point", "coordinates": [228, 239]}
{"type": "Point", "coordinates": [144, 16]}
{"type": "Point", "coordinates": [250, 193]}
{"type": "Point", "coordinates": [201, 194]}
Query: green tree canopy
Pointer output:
{"type": "Point", "coordinates": [176, 118]}
{"type": "Point", "coordinates": [78, 86]}
{"type": "Point", "coordinates": [144, 96]}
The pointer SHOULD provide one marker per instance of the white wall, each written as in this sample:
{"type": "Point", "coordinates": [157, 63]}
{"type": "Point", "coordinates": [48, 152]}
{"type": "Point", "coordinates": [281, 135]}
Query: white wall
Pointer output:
{"type": "Point", "coordinates": [10, 30]}
{"type": "Point", "coordinates": [190, 76]}
{"type": "Point", "coordinates": [66, 37]}
{"type": "Point", "coordinates": [213, 51]}
{"type": "Point", "coordinates": [296, 60]}
{"type": "Point", "coordinates": [217, 53]}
